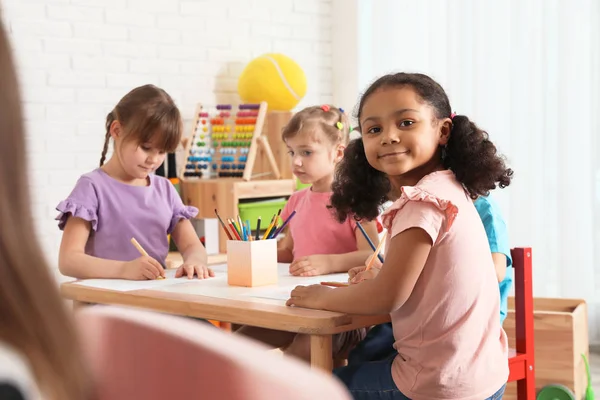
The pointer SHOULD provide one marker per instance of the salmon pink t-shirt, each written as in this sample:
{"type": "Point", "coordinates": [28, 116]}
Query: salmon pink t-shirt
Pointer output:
{"type": "Point", "coordinates": [450, 343]}
{"type": "Point", "coordinates": [314, 230]}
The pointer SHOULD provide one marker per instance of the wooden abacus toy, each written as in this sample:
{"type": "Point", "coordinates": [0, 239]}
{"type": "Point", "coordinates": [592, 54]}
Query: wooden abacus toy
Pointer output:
{"type": "Point", "coordinates": [223, 142]}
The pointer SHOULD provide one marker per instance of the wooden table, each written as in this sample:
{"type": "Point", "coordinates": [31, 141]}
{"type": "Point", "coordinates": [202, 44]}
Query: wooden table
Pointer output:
{"type": "Point", "coordinates": [234, 305]}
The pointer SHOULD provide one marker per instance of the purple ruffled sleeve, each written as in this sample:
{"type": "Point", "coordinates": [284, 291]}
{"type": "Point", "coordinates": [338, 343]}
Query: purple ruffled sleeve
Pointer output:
{"type": "Point", "coordinates": [81, 203]}
{"type": "Point", "coordinates": [180, 211]}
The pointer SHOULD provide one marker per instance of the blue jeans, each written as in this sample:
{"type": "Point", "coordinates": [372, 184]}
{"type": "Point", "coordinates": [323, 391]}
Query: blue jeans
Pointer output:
{"type": "Point", "coordinates": [378, 345]}
{"type": "Point", "coordinates": [373, 381]}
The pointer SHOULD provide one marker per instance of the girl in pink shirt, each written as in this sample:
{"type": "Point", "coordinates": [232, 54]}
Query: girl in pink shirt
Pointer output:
{"type": "Point", "coordinates": [315, 242]}
{"type": "Point", "coordinates": [437, 282]}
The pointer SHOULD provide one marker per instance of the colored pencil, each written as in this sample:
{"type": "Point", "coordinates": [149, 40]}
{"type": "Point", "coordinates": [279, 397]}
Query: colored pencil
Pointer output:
{"type": "Point", "coordinates": [223, 225]}
{"type": "Point", "coordinates": [335, 284]}
{"type": "Point", "coordinates": [376, 252]}
{"type": "Point", "coordinates": [368, 240]}
{"type": "Point", "coordinates": [231, 230]}
{"type": "Point", "coordinates": [273, 228]}
{"type": "Point", "coordinates": [266, 235]}
{"type": "Point", "coordinates": [143, 252]}
{"type": "Point", "coordinates": [278, 231]}
{"type": "Point", "coordinates": [258, 228]}
{"type": "Point", "coordinates": [241, 226]}
{"type": "Point", "coordinates": [244, 234]}
{"type": "Point", "coordinates": [236, 227]}
{"type": "Point", "coordinates": [248, 231]}
{"type": "Point", "coordinates": [234, 230]}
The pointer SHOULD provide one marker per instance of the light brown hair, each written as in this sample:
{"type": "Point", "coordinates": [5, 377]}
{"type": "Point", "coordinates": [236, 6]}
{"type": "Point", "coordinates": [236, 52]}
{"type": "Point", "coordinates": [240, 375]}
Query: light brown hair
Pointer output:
{"type": "Point", "coordinates": [147, 114]}
{"type": "Point", "coordinates": [33, 319]}
{"type": "Point", "coordinates": [323, 118]}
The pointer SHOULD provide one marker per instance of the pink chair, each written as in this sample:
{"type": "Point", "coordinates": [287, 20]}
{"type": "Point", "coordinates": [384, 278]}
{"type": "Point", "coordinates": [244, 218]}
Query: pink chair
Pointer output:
{"type": "Point", "coordinates": [138, 354]}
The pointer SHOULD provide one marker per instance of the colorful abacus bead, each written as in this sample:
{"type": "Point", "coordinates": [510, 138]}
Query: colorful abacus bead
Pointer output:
{"type": "Point", "coordinates": [249, 106]}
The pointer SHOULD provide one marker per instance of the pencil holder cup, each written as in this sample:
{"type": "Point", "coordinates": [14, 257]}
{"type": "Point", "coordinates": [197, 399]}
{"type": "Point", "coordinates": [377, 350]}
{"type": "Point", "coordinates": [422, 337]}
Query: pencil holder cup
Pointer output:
{"type": "Point", "coordinates": [251, 263]}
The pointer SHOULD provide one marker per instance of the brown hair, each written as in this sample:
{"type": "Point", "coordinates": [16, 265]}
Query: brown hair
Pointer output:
{"type": "Point", "coordinates": [146, 113]}
{"type": "Point", "coordinates": [324, 118]}
{"type": "Point", "coordinates": [33, 319]}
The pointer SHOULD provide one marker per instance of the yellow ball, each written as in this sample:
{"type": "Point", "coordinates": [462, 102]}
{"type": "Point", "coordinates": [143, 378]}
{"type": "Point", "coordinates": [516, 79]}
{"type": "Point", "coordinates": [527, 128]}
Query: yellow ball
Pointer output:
{"type": "Point", "coordinates": [273, 78]}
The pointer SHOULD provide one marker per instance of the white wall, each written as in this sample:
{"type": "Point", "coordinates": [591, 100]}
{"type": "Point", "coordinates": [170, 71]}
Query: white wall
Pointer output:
{"type": "Point", "coordinates": [77, 58]}
{"type": "Point", "coordinates": [527, 71]}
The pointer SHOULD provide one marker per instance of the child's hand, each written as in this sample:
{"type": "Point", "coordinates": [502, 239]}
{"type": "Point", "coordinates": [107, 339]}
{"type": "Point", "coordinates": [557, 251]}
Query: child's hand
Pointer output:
{"type": "Point", "coordinates": [364, 275]}
{"type": "Point", "coordinates": [191, 268]}
{"type": "Point", "coordinates": [311, 265]}
{"type": "Point", "coordinates": [355, 271]}
{"type": "Point", "coordinates": [141, 268]}
{"type": "Point", "coordinates": [308, 296]}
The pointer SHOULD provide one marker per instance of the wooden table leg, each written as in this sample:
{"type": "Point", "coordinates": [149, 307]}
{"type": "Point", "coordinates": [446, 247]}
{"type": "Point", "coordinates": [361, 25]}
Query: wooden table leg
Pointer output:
{"type": "Point", "coordinates": [320, 352]}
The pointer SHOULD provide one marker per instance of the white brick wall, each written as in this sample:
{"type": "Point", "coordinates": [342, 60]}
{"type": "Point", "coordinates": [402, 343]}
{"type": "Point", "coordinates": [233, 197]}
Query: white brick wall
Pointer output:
{"type": "Point", "coordinates": [77, 58]}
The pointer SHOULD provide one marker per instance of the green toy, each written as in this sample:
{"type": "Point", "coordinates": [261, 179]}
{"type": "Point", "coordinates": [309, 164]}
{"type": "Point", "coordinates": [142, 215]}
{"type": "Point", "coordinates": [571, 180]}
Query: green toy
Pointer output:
{"type": "Point", "coordinates": [589, 392]}
{"type": "Point", "coordinates": [555, 392]}
{"type": "Point", "coordinates": [560, 392]}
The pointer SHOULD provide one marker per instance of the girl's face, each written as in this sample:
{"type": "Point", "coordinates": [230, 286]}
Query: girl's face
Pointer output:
{"type": "Point", "coordinates": [137, 160]}
{"type": "Point", "coordinates": [313, 156]}
{"type": "Point", "coordinates": [401, 135]}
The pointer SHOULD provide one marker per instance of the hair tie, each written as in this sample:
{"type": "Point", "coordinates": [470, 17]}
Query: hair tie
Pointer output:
{"type": "Point", "coordinates": [341, 110]}
{"type": "Point", "coordinates": [339, 125]}
{"type": "Point", "coordinates": [325, 107]}
{"type": "Point", "coordinates": [452, 115]}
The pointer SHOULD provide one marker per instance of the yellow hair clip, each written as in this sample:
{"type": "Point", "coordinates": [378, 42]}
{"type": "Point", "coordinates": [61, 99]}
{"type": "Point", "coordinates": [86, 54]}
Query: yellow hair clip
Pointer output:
{"type": "Point", "coordinates": [339, 125]}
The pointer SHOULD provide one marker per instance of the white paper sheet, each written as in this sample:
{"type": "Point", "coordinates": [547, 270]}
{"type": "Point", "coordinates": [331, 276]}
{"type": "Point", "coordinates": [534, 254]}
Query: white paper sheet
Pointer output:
{"type": "Point", "coordinates": [287, 283]}
{"type": "Point", "coordinates": [123, 285]}
{"type": "Point", "coordinates": [217, 286]}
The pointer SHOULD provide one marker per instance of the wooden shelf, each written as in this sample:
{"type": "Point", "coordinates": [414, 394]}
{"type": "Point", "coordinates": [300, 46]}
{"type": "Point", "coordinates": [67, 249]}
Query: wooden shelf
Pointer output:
{"type": "Point", "coordinates": [224, 195]}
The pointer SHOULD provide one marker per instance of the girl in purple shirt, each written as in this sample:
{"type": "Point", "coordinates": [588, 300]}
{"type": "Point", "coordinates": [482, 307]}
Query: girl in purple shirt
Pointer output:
{"type": "Point", "coordinates": [123, 199]}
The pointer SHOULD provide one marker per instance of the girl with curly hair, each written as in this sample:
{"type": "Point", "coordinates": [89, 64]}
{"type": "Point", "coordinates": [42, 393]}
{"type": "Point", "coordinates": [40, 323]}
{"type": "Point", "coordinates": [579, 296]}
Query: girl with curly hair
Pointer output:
{"type": "Point", "coordinates": [437, 281]}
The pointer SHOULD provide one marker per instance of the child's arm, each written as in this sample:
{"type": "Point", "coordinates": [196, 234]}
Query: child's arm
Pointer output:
{"type": "Point", "coordinates": [285, 248]}
{"type": "Point", "coordinates": [191, 249]}
{"type": "Point", "coordinates": [500, 265]}
{"type": "Point", "coordinates": [332, 263]}
{"type": "Point", "coordinates": [72, 260]}
{"type": "Point", "coordinates": [388, 291]}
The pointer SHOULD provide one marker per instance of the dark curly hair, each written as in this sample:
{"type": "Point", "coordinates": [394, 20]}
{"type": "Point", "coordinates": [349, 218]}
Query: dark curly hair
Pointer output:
{"type": "Point", "coordinates": [360, 190]}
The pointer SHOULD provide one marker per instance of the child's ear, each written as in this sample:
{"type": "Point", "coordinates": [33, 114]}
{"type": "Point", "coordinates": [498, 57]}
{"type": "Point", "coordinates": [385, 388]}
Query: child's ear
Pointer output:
{"type": "Point", "coordinates": [339, 153]}
{"type": "Point", "coordinates": [116, 130]}
{"type": "Point", "coordinates": [445, 129]}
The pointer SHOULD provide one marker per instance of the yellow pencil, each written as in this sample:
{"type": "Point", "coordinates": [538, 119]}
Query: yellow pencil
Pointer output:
{"type": "Point", "coordinates": [269, 228]}
{"type": "Point", "coordinates": [142, 252]}
{"type": "Point", "coordinates": [376, 253]}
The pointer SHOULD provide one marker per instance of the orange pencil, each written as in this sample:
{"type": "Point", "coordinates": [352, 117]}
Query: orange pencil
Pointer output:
{"type": "Point", "coordinates": [376, 253]}
{"type": "Point", "coordinates": [335, 284]}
